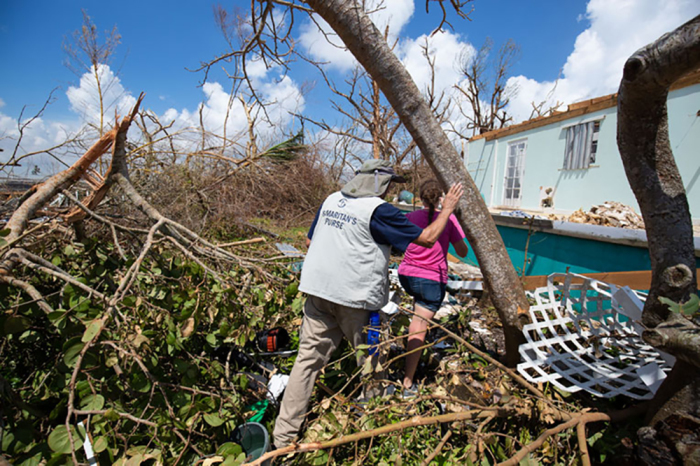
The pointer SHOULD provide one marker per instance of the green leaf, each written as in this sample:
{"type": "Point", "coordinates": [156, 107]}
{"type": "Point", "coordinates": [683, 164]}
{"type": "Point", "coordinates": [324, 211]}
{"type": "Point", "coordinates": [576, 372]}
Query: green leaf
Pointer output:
{"type": "Point", "coordinates": [71, 354]}
{"type": "Point", "coordinates": [100, 444]}
{"type": "Point", "coordinates": [367, 367]}
{"type": "Point", "coordinates": [292, 290]}
{"type": "Point", "coordinates": [16, 324]}
{"type": "Point", "coordinates": [56, 315]}
{"type": "Point", "coordinates": [60, 442]}
{"type": "Point", "coordinates": [4, 232]}
{"type": "Point", "coordinates": [674, 306]}
{"type": "Point", "coordinates": [229, 449]}
{"type": "Point", "coordinates": [92, 329]}
{"type": "Point", "coordinates": [140, 383]}
{"type": "Point", "coordinates": [134, 460]}
{"type": "Point", "coordinates": [68, 250]}
{"type": "Point", "coordinates": [689, 307]}
{"type": "Point", "coordinates": [111, 415]}
{"type": "Point", "coordinates": [211, 339]}
{"type": "Point", "coordinates": [594, 438]}
{"type": "Point", "coordinates": [321, 457]}
{"type": "Point", "coordinates": [298, 304]}
{"type": "Point", "coordinates": [213, 420]}
{"type": "Point", "coordinates": [235, 461]}
{"type": "Point", "coordinates": [35, 460]}
{"type": "Point", "coordinates": [92, 402]}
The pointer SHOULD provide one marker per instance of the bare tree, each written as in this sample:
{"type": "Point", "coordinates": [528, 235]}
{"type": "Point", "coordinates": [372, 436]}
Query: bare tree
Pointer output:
{"type": "Point", "coordinates": [85, 53]}
{"type": "Point", "coordinates": [485, 88]}
{"type": "Point", "coordinates": [546, 107]}
{"type": "Point", "coordinates": [23, 124]}
{"type": "Point", "coordinates": [643, 140]}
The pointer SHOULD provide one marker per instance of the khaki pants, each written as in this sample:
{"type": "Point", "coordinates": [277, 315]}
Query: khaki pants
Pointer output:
{"type": "Point", "coordinates": [325, 323]}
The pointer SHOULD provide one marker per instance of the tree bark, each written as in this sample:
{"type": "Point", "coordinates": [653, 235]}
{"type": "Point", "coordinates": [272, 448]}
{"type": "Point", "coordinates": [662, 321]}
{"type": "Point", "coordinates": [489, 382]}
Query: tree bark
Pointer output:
{"type": "Point", "coordinates": [369, 47]}
{"type": "Point", "coordinates": [643, 141]}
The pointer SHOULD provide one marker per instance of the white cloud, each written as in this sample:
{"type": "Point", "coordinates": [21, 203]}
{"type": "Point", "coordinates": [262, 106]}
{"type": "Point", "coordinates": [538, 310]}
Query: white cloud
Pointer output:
{"type": "Point", "coordinates": [2, 103]}
{"type": "Point", "coordinates": [324, 45]}
{"type": "Point", "coordinates": [85, 99]}
{"type": "Point", "coordinates": [445, 48]}
{"type": "Point", "coordinates": [283, 98]}
{"type": "Point", "coordinates": [282, 94]}
{"type": "Point", "coordinates": [594, 68]}
{"type": "Point", "coordinates": [38, 135]}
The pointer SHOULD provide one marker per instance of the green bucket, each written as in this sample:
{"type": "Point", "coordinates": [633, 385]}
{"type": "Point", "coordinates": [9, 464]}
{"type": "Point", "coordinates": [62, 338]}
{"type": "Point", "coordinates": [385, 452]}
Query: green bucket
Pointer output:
{"type": "Point", "coordinates": [253, 438]}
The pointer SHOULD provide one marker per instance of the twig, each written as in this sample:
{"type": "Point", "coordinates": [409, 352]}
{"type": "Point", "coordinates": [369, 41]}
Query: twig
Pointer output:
{"type": "Point", "coordinates": [437, 450]}
{"type": "Point", "coordinates": [30, 290]}
{"type": "Point", "coordinates": [414, 422]}
{"type": "Point", "coordinates": [582, 418]}
{"type": "Point", "coordinates": [23, 235]}
{"type": "Point", "coordinates": [529, 448]}
{"type": "Point", "coordinates": [582, 444]}
{"type": "Point", "coordinates": [241, 243]}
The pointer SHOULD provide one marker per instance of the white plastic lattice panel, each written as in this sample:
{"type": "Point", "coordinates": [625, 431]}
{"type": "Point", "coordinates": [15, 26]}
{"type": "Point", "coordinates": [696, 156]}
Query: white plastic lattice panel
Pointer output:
{"type": "Point", "coordinates": [585, 335]}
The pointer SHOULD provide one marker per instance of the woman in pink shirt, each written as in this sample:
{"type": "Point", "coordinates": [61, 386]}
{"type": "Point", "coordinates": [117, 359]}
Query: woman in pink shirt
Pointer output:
{"type": "Point", "coordinates": [423, 273]}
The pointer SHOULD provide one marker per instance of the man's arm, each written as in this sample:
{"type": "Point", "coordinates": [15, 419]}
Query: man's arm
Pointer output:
{"type": "Point", "coordinates": [310, 234]}
{"type": "Point", "coordinates": [433, 231]}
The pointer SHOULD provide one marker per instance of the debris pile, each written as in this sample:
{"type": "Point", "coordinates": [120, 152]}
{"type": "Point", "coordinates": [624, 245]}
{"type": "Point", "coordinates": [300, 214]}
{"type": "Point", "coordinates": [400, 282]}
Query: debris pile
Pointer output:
{"type": "Point", "coordinates": [609, 214]}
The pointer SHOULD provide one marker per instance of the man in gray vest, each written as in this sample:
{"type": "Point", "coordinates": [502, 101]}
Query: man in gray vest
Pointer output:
{"type": "Point", "coordinates": [345, 276]}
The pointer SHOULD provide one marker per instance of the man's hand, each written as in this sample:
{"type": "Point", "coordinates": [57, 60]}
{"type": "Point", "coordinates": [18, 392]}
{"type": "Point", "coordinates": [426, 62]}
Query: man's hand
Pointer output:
{"type": "Point", "coordinates": [450, 200]}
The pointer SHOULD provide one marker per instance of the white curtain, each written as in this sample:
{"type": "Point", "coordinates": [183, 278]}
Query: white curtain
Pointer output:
{"type": "Point", "coordinates": [579, 139]}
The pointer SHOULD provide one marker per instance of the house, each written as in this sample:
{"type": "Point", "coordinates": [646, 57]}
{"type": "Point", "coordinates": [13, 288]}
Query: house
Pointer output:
{"type": "Point", "coordinates": [570, 161]}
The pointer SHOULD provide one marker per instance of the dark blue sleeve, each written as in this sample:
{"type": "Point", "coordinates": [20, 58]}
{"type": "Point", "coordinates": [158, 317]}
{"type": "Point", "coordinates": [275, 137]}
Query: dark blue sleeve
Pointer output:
{"type": "Point", "coordinates": [313, 225]}
{"type": "Point", "coordinates": [390, 226]}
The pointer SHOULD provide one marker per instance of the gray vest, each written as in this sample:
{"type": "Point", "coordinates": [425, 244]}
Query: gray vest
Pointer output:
{"type": "Point", "coordinates": [344, 264]}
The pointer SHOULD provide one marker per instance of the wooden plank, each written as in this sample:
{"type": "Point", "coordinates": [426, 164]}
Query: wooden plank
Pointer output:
{"type": "Point", "coordinates": [637, 280]}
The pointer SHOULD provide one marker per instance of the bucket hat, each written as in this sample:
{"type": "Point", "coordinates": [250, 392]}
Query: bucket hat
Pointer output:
{"type": "Point", "coordinates": [372, 179]}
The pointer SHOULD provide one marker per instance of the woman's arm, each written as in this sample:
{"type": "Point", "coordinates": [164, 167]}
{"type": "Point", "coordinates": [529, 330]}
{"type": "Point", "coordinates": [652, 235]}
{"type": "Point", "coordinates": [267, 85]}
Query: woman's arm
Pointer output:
{"type": "Point", "coordinates": [461, 248]}
{"type": "Point", "coordinates": [434, 230]}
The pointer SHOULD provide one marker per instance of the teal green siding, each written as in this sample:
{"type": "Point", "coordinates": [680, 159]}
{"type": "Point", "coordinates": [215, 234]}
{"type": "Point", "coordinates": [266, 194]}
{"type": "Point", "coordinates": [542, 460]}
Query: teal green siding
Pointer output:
{"type": "Point", "coordinates": [605, 180]}
{"type": "Point", "coordinates": [551, 253]}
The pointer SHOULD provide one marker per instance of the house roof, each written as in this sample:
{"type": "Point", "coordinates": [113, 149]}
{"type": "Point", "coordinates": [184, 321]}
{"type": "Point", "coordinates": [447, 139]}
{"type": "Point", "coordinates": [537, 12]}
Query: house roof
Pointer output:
{"type": "Point", "coordinates": [575, 110]}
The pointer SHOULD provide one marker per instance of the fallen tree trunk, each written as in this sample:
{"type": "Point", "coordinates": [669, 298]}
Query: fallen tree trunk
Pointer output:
{"type": "Point", "coordinates": [369, 47]}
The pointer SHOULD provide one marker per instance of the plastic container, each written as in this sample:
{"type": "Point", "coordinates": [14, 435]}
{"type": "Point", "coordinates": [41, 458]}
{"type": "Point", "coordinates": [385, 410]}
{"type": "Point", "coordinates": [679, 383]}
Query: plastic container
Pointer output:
{"type": "Point", "coordinates": [373, 331]}
{"type": "Point", "coordinates": [406, 196]}
{"type": "Point", "coordinates": [254, 440]}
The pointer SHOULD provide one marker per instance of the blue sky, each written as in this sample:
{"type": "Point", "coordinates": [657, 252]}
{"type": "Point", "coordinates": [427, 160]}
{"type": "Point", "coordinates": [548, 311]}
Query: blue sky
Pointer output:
{"type": "Point", "coordinates": [587, 39]}
{"type": "Point", "coordinates": [161, 39]}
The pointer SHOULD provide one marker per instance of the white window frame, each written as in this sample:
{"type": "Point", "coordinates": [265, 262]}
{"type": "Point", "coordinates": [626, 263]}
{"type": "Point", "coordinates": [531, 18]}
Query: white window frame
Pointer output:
{"type": "Point", "coordinates": [581, 144]}
{"type": "Point", "coordinates": [517, 175]}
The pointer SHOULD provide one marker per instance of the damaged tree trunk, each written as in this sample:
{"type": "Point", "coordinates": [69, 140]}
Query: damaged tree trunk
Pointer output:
{"type": "Point", "coordinates": [643, 141]}
{"type": "Point", "coordinates": [369, 47]}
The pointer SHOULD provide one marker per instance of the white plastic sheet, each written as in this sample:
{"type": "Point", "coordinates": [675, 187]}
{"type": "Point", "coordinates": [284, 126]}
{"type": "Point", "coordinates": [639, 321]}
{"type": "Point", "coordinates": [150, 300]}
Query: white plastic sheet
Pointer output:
{"type": "Point", "coordinates": [586, 336]}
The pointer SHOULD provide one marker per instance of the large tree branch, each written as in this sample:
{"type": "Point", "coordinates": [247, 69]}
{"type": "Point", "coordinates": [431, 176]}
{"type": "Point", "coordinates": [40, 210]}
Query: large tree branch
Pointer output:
{"type": "Point", "coordinates": [677, 336]}
{"type": "Point", "coordinates": [644, 144]}
{"type": "Point", "coordinates": [643, 140]}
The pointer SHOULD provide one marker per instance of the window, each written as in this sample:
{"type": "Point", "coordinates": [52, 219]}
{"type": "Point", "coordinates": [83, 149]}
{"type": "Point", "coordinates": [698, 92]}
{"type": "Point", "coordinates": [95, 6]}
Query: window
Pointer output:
{"type": "Point", "coordinates": [515, 169]}
{"type": "Point", "coordinates": [581, 145]}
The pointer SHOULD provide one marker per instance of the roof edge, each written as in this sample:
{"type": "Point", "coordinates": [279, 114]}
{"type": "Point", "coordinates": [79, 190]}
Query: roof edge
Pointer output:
{"type": "Point", "coordinates": [575, 110]}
